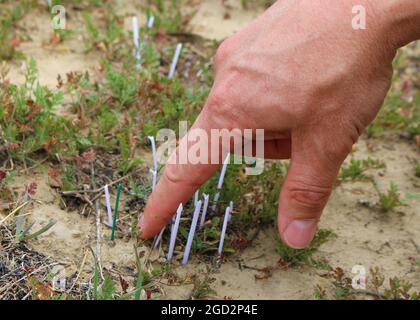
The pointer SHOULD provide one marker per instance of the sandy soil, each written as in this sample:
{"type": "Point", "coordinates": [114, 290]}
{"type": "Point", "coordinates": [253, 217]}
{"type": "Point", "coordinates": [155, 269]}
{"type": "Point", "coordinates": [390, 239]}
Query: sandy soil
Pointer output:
{"type": "Point", "coordinates": [365, 235]}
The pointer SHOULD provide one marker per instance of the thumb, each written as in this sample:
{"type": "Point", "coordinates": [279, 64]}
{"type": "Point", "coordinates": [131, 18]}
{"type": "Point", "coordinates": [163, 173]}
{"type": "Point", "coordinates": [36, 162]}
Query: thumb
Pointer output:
{"type": "Point", "coordinates": [313, 169]}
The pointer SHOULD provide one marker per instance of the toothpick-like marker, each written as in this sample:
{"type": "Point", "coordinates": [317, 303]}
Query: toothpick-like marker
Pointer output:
{"type": "Point", "coordinates": [174, 232]}
{"type": "Point", "coordinates": [137, 53]}
{"type": "Point", "coordinates": [158, 238]}
{"type": "Point", "coordinates": [154, 179]}
{"type": "Point", "coordinates": [223, 233]}
{"type": "Point", "coordinates": [175, 60]}
{"type": "Point", "coordinates": [215, 201]}
{"type": "Point", "coordinates": [195, 198]}
{"type": "Point", "coordinates": [220, 183]}
{"type": "Point", "coordinates": [108, 205]}
{"type": "Point", "coordinates": [230, 210]}
{"type": "Point", "coordinates": [223, 173]}
{"type": "Point", "coordinates": [150, 21]}
{"type": "Point", "coordinates": [153, 143]}
{"type": "Point", "coordinates": [192, 233]}
{"type": "Point", "coordinates": [205, 206]}
{"type": "Point", "coordinates": [117, 201]}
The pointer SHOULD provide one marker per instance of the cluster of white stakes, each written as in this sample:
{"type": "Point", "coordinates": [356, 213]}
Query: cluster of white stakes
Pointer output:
{"type": "Point", "coordinates": [139, 47]}
{"type": "Point", "coordinates": [138, 51]}
{"type": "Point", "coordinates": [200, 206]}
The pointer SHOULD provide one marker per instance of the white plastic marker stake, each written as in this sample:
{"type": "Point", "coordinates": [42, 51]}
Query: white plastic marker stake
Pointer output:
{"type": "Point", "coordinates": [137, 53]}
{"type": "Point", "coordinates": [223, 173]}
{"type": "Point", "coordinates": [230, 210]}
{"type": "Point", "coordinates": [154, 182]}
{"type": "Point", "coordinates": [175, 61]}
{"type": "Point", "coordinates": [192, 233]}
{"type": "Point", "coordinates": [154, 179]}
{"type": "Point", "coordinates": [150, 22]}
{"type": "Point", "coordinates": [153, 143]}
{"type": "Point", "coordinates": [158, 238]}
{"type": "Point", "coordinates": [223, 233]}
{"type": "Point", "coordinates": [174, 232]}
{"type": "Point", "coordinates": [205, 206]}
{"type": "Point", "coordinates": [195, 198]}
{"type": "Point", "coordinates": [220, 183]}
{"type": "Point", "coordinates": [108, 206]}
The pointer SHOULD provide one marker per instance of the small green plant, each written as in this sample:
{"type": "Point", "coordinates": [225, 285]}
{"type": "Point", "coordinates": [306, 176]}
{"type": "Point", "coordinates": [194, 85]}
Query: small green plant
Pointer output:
{"type": "Point", "coordinates": [320, 293]}
{"type": "Point", "coordinates": [127, 161]}
{"type": "Point", "coordinates": [107, 39]}
{"type": "Point", "coordinates": [168, 15]}
{"type": "Point", "coordinates": [22, 233]}
{"type": "Point", "coordinates": [123, 86]}
{"type": "Point", "coordinates": [107, 290]}
{"type": "Point", "coordinates": [9, 40]}
{"type": "Point", "coordinates": [29, 123]}
{"type": "Point", "coordinates": [356, 168]}
{"type": "Point", "coordinates": [399, 289]}
{"type": "Point", "coordinates": [353, 171]}
{"type": "Point", "coordinates": [202, 289]}
{"type": "Point", "coordinates": [294, 257]}
{"type": "Point", "coordinates": [397, 113]}
{"type": "Point", "coordinates": [418, 169]}
{"type": "Point", "coordinates": [390, 199]}
{"type": "Point", "coordinates": [342, 284]}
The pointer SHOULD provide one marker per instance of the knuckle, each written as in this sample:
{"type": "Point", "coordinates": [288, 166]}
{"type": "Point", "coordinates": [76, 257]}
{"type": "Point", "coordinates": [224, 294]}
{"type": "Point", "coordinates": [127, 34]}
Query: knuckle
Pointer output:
{"type": "Point", "coordinates": [171, 174]}
{"type": "Point", "coordinates": [220, 102]}
{"type": "Point", "coordinates": [223, 52]}
{"type": "Point", "coordinates": [175, 175]}
{"type": "Point", "coordinates": [309, 196]}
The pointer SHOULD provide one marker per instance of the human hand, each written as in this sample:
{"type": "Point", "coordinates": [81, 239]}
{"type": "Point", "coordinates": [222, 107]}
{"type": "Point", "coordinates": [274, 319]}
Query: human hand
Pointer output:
{"type": "Point", "coordinates": [301, 73]}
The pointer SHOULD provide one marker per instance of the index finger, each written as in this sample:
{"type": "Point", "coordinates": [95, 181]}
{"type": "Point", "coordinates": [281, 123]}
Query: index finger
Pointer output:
{"type": "Point", "coordinates": [179, 181]}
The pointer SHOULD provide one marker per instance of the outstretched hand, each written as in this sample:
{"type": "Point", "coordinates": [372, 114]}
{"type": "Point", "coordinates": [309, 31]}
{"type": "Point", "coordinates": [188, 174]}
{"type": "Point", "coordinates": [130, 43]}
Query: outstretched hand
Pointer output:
{"type": "Point", "coordinates": [301, 73]}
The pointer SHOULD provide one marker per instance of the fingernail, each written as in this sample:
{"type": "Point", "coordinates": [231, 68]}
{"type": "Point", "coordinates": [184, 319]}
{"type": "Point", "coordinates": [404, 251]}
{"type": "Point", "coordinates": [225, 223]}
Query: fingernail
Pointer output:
{"type": "Point", "coordinates": [140, 224]}
{"type": "Point", "coordinates": [299, 233]}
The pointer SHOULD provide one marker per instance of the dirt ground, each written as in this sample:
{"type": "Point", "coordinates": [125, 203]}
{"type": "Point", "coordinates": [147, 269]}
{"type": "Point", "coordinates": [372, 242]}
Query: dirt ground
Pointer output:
{"type": "Point", "coordinates": [364, 235]}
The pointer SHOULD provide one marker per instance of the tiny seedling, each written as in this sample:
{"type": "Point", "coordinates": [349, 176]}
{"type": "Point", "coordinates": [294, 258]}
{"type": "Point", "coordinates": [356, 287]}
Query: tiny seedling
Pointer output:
{"type": "Point", "coordinates": [191, 233]}
{"type": "Point", "coordinates": [341, 283]}
{"type": "Point", "coordinates": [391, 199]}
{"type": "Point", "coordinates": [175, 61]}
{"type": "Point", "coordinates": [22, 234]}
{"type": "Point", "coordinates": [356, 168]}
{"type": "Point", "coordinates": [294, 257]}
